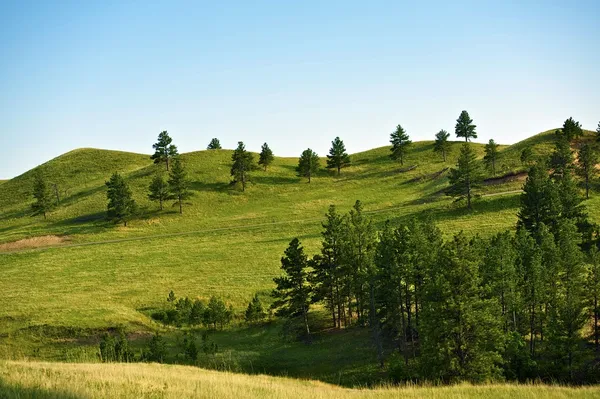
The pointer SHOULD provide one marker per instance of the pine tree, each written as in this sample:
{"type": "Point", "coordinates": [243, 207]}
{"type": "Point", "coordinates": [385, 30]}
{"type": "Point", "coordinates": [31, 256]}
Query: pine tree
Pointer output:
{"type": "Point", "coordinates": [121, 205]}
{"type": "Point", "coordinates": [178, 183]}
{"type": "Point", "coordinates": [467, 175]}
{"type": "Point", "coordinates": [598, 132]}
{"type": "Point", "coordinates": [266, 156]}
{"type": "Point", "coordinates": [464, 127]}
{"type": "Point", "coordinates": [571, 130]}
{"type": "Point", "coordinates": [491, 156]}
{"type": "Point", "coordinates": [157, 349]}
{"type": "Point", "coordinates": [197, 312]}
{"type": "Point", "coordinates": [540, 203]}
{"type": "Point", "coordinates": [254, 311]}
{"type": "Point", "coordinates": [526, 156]}
{"type": "Point", "coordinates": [293, 292]}
{"type": "Point", "coordinates": [400, 143]}
{"type": "Point", "coordinates": [214, 144]}
{"type": "Point", "coordinates": [442, 145]}
{"type": "Point", "coordinates": [571, 200]}
{"type": "Point", "coordinates": [337, 157]}
{"type": "Point", "coordinates": [561, 159]}
{"type": "Point", "coordinates": [586, 168]}
{"type": "Point", "coordinates": [308, 164]}
{"type": "Point", "coordinates": [164, 150]}
{"type": "Point", "coordinates": [41, 194]}
{"type": "Point", "coordinates": [242, 164]}
{"type": "Point", "coordinates": [159, 189]}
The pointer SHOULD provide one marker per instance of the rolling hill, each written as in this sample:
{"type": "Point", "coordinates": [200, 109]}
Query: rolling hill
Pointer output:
{"type": "Point", "coordinates": [71, 277]}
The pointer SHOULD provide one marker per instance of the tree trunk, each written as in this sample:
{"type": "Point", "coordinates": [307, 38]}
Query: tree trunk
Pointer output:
{"type": "Point", "coordinates": [161, 205]}
{"type": "Point", "coordinates": [596, 324]}
{"type": "Point", "coordinates": [468, 194]}
{"type": "Point", "coordinates": [339, 167]}
{"type": "Point", "coordinates": [167, 162]}
{"type": "Point", "coordinates": [587, 187]}
{"type": "Point", "coordinates": [305, 313]}
{"type": "Point", "coordinates": [180, 206]}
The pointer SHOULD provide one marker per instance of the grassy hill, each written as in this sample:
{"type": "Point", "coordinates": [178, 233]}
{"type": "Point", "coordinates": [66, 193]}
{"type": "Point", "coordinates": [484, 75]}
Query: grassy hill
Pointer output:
{"type": "Point", "coordinates": [58, 300]}
{"type": "Point", "coordinates": [61, 380]}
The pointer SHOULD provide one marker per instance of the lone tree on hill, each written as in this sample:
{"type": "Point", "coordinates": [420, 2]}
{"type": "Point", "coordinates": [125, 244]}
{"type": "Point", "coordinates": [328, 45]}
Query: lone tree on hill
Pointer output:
{"type": "Point", "coordinates": [464, 127]}
{"type": "Point", "coordinates": [214, 144]}
{"type": "Point", "coordinates": [491, 156]}
{"type": "Point", "coordinates": [571, 130]}
{"type": "Point", "coordinates": [164, 150]}
{"type": "Point", "coordinates": [41, 194]}
{"type": "Point", "coordinates": [466, 176]}
{"type": "Point", "coordinates": [266, 156]}
{"type": "Point", "coordinates": [337, 158]}
{"type": "Point", "coordinates": [178, 183]}
{"type": "Point", "coordinates": [120, 204]}
{"type": "Point", "coordinates": [586, 168]}
{"type": "Point", "coordinates": [308, 164]}
{"type": "Point", "coordinates": [243, 162]}
{"type": "Point", "coordinates": [442, 145]}
{"type": "Point", "coordinates": [293, 293]}
{"type": "Point", "coordinates": [400, 143]}
{"type": "Point", "coordinates": [159, 189]}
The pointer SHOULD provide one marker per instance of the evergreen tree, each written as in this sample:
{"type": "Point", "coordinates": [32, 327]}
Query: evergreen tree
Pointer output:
{"type": "Point", "coordinates": [467, 175]}
{"type": "Point", "coordinates": [123, 352]}
{"type": "Point", "coordinates": [171, 297]}
{"type": "Point", "coordinates": [592, 288]}
{"type": "Point", "coordinates": [120, 204]}
{"type": "Point", "coordinates": [598, 132]}
{"type": "Point", "coordinates": [540, 203]}
{"type": "Point", "coordinates": [293, 292]}
{"type": "Point", "coordinates": [216, 313]}
{"type": "Point", "coordinates": [214, 144]}
{"type": "Point", "coordinates": [400, 143]}
{"type": "Point", "coordinates": [254, 311]}
{"type": "Point", "coordinates": [571, 200]}
{"type": "Point", "coordinates": [561, 159]}
{"type": "Point", "coordinates": [197, 312]}
{"type": "Point", "coordinates": [461, 333]}
{"type": "Point", "coordinates": [587, 160]}
{"type": "Point", "coordinates": [571, 130]}
{"type": "Point", "coordinates": [308, 164]}
{"type": "Point", "coordinates": [526, 156]}
{"type": "Point", "coordinates": [242, 164]}
{"type": "Point", "coordinates": [41, 194]}
{"type": "Point", "coordinates": [464, 127]}
{"type": "Point", "coordinates": [164, 150]}
{"type": "Point", "coordinates": [159, 190]}
{"type": "Point", "coordinates": [266, 156]}
{"type": "Point", "coordinates": [337, 157]}
{"type": "Point", "coordinates": [442, 145]}
{"type": "Point", "coordinates": [491, 156]}
{"type": "Point", "coordinates": [157, 349]}
{"type": "Point", "coordinates": [190, 349]}
{"type": "Point", "coordinates": [178, 183]}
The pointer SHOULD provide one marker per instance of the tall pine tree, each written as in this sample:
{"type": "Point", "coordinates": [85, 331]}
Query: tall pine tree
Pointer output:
{"type": "Point", "coordinates": [164, 150]}
{"type": "Point", "coordinates": [242, 164]}
{"type": "Point", "coordinates": [465, 127]}
{"type": "Point", "coordinates": [400, 143]}
{"type": "Point", "coordinates": [337, 157]}
{"type": "Point", "coordinates": [214, 144]}
{"type": "Point", "coordinates": [308, 164]}
{"type": "Point", "coordinates": [41, 195]}
{"type": "Point", "coordinates": [266, 156]}
{"type": "Point", "coordinates": [587, 159]}
{"type": "Point", "coordinates": [467, 175]}
{"type": "Point", "coordinates": [441, 144]}
{"type": "Point", "coordinates": [121, 205]}
{"type": "Point", "coordinates": [491, 156]}
{"type": "Point", "coordinates": [159, 190]}
{"type": "Point", "coordinates": [178, 183]}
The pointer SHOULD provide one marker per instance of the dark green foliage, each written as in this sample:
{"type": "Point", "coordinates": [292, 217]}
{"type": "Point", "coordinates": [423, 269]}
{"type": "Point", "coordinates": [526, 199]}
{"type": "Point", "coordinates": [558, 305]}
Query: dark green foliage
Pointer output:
{"type": "Point", "coordinates": [464, 127]}
{"type": "Point", "coordinates": [462, 338]}
{"type": "Point", "coordinates": [266, 156]}
{"type": "Point", "coordinates": [156, 350]}
{"type": "Point", "coordinates": [41, 194]}
{"type": "Point", "coordinates": [216, 313]}
{"type": "Point", "coordinates": [337, 157]}
{"type": "Point", "coordinates": [208, 346]}
{"type": "Point", "coordinates": [164, 150]}
{"type": "Point", "coordinates": [197, 313]}
{"type": "Point", "coordinates": [561, 159]}
{"type": "Point", "coordinates": [592, 288]}
{"type": "Point", "coordinates": [293, 292]}
{"type": "Point", "coordinates": [178, 183]}
{"type": "Point", "coordinates": [214, 144]}
{"type": "Point", "coordinates": [159, 190]}
{"type": "Point", "coordinates": [308, 164]}
{"type": "Point", "coordinates": [526, 156]}
{"type": "Point", "coordinates": [121, 206]}
{"type": "Point", "coordinates": [171, 297]}
{"type": "Point", "coordinates": [442, 145]}
{"type": "Point", "coordinates": [466, 177]}
{"type": "Point", "coordinates": [255, 311]}
{"type": "Point", "coordinates": [586, 166]}
{"type": "Point", "coordinates": [190, 350]}
{"type": "Point", "coordinates": [598, 132]}
{"type": "Point", "coordinates": [491, 156]}
{"type": "Point", "coordinates": [400, 143]}
{"type": "Point", "coordinates": [540, 203]}
{"type": "Point", "coordinates": [571, 130]}
{"type": "Point", "coordinates": [243, 163]}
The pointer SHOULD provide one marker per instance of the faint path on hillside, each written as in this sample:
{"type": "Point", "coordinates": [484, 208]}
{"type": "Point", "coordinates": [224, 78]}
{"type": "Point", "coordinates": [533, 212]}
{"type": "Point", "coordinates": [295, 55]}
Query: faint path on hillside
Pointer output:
{"type": "Point", "coordinates": [204, 231]}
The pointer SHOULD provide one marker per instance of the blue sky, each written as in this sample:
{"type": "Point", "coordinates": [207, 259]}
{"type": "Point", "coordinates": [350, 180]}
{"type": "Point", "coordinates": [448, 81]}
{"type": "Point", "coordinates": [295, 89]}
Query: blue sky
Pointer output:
{"type": "Point", "coordinates": [113, 74]}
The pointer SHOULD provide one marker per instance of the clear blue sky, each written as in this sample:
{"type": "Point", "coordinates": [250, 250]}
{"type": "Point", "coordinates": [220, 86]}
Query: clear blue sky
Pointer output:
{"type": "Point", "coordinates": [113, 74]}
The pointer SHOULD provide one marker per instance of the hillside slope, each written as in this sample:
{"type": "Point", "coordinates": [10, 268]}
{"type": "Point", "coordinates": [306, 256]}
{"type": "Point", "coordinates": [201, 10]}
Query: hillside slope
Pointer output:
{"type": "Point", "coordinates": [56, 380]}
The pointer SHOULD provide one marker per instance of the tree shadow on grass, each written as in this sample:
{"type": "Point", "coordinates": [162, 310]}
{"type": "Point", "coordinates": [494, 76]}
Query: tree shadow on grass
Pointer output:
{"type": "Point", "coordinates": [275, 180]}
{"type": "Point", "coordinates": [209, 187]}
{"type": "Point", "coordinates": [10, 391]}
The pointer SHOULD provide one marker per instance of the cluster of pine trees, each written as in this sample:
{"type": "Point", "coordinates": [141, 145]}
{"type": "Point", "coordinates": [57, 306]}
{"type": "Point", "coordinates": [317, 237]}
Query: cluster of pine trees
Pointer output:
{"type": "Point", "coordinates": [184, 311]}
{"type": "Point", "coordinates": [521, 305]}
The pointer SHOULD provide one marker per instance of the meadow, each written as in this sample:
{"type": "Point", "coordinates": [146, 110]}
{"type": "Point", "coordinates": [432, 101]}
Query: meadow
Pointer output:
{"type": "Point", "coordinates": [61, 294]}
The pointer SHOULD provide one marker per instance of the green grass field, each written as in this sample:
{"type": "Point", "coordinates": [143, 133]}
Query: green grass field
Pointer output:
{"type": "Point", "coordinates": [60, 295]}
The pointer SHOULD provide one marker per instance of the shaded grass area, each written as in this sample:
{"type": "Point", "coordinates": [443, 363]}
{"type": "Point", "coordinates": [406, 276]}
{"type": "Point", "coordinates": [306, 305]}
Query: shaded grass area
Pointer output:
{"type": "Point", "coordinates": [59, 380]}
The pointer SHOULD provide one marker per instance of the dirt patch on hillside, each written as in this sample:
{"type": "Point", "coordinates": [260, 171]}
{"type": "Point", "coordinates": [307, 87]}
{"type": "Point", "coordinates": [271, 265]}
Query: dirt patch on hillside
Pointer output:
{"type": "Point", "coordinates": [507, 178]}
{"type": "Point", "coordinates": [33, 242]}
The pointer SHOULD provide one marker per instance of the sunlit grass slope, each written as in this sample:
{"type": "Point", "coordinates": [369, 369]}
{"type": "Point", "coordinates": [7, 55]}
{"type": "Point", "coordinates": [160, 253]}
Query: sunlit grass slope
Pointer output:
{"type": "Point", "coordinates": [71, 381]}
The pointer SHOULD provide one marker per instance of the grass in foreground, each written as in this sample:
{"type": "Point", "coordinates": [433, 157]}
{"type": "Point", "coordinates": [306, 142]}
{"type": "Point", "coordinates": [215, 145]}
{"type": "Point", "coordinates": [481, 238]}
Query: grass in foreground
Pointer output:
{"type": "Point", "coordinates": [60, 380]}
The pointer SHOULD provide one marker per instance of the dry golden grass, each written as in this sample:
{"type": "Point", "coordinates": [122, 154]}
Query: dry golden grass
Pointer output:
{"type": "Point", "coordinates": [71, 380]}
{"type": "Point", "coordinates": [33, 242]}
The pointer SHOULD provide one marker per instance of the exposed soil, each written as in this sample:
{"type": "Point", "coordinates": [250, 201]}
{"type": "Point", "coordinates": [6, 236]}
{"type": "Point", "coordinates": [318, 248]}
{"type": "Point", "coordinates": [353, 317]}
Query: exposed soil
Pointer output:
{"type": "Point", "coordinates": [33, 242]}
